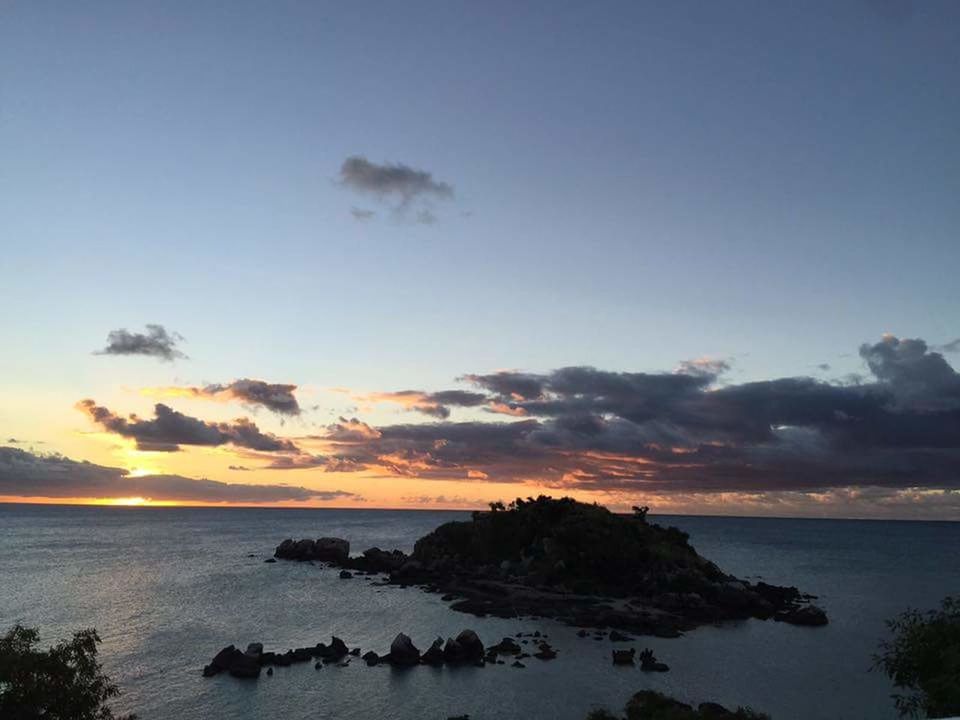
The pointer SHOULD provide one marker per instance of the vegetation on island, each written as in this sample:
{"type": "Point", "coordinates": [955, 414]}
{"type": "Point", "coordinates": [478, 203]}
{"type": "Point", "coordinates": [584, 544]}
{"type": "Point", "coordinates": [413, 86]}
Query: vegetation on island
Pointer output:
{"type": "Point", "coordinates": [585, 547]}
{"type": "Point", "coordinates": [64, 682]}
{"type": "Point", "coordinates": [923, 660]}
{"type": "Point", "coordinates": [652, 705]}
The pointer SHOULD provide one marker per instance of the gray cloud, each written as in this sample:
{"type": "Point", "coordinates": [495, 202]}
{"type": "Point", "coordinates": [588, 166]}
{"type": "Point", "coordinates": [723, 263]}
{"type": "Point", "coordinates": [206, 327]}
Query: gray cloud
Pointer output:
{"type": "Point", "coordinates": [624, 432]}
{"type": "Point", "coordinates": [362, 214]}
{"type": "Point", "coordinates": [169, 429]}
{"type": "Point", "coordinates": [392, 182]}
{"type": "Point", "coordinates": [950, 347]}
{"type": "Point", "coordinates": [435, 404]}
{"type": "Point", "coordinates": [276, 397]}
{"type": "Point", "coordinates": [24, 474]}
{"type": "Point", "coordinates": [918, 378]}
{"type": "Point", "coordinates": [156, 342]}
{"type": "Point", "coordinates": [705, 367]}
{"type": "Point", "coordinates": [426, 217]}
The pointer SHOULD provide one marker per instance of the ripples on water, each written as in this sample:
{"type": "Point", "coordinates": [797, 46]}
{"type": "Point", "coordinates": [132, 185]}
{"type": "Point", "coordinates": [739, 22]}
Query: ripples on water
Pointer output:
{"type": "Point", "coordinates": [167, 588]}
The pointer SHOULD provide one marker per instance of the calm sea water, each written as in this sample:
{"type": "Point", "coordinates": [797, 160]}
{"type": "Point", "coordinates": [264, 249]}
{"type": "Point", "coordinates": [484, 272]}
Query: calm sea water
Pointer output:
{"type": "Point", "coordinates": [167, 588]}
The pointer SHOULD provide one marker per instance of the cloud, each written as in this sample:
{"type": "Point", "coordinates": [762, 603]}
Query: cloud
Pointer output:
{"type": "Point", "coordinates": [398, 182]}
{"type": "Point", "coordinates": [435, 404]}
{"type": "Point", "coordinates": [918, 378]}
{"type": "Point", "coordinates": [276, 397]}
{"type": "Point", "coordinates": [169, 429]}
{"type": "Point", "coordinates": [362, 214]}
{"type": "Point", "coordinates": [582, 428]}
{"type": "Point", "coordinates": [457, 501]}
{"type": "Point", "coordinates": [426, 217]}
{"type": "Point", "coordinates": [950, 347]}
{"type": "Point", "coordinates": [703, 367]}
{"type": "Point", "coordinates": [156, 342]}
{"type": "Point", "coordinates": [24, 474]}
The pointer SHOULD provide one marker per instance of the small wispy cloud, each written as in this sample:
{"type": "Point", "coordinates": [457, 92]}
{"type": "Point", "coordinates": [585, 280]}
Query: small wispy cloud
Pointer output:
{"type": "Point", "coordinates": [156, 342]}
{"type": "Point", "coordinates": [362, 214]}
{"type": "Point", "coordinates": [276, 397]}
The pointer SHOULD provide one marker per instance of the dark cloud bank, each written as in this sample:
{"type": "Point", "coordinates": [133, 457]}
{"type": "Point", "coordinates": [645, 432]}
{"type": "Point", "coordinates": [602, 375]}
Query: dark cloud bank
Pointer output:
{"type": "Point", "coordinates": [681, 432]}
{"type": "Point", "coordinates": [24, 474]}
{"type": "Point", "coordinates": [156, 342]}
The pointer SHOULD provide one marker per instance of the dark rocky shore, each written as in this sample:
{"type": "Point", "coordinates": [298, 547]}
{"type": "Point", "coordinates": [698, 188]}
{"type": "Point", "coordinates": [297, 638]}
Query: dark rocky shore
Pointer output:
{"type": "Point", "coordinates": [577, 563]}
{"type": "Point", "coordinates": [464, 649]}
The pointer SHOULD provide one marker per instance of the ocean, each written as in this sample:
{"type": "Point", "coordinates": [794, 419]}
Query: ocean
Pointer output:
{"type": "Point", "coordinates": [166, 588]}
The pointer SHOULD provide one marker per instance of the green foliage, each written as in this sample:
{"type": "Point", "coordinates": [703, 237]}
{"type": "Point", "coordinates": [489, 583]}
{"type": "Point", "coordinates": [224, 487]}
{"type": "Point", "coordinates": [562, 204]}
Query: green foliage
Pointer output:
{"type": "Point", "coordinates": [652, 705]}
{"type": "Point", "coordinates": [582, 545]}
{"type": "Point", "coordinates": [923, 659]}
{"type": "Point", "coordinates": [62, 683]}
{"type": "Point", "coordinates": [601, 714]}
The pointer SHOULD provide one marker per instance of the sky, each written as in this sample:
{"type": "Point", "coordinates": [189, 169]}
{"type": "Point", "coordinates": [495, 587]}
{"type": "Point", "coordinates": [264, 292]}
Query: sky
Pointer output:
{"type": "Point", "coordinates": [714, 245]}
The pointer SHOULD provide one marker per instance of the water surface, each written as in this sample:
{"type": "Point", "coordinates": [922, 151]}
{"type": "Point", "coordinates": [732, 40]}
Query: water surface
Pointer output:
{"type": "Point", "coordinates": [167, 587]}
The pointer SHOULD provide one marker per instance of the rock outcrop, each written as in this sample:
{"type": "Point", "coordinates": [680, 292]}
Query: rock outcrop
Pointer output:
{"type": "Point", "coordinates": [403, 651]}
{"type": "Point", "coordinates": [335, 550]}
{"type": "Point", "coordinates": [573, 562]}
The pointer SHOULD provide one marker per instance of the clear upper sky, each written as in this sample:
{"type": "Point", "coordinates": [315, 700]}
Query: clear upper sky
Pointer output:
{"type": "Point", "coordinates": [634, 184]}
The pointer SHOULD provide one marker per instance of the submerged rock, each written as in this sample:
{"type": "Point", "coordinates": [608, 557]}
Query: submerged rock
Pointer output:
{"type": "Point", "coordinates": [809, 615]}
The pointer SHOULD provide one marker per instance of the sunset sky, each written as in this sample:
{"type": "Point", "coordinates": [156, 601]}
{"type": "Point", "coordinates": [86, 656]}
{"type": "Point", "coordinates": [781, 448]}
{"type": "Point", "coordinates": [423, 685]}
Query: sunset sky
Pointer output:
{"type": "Point", "coordinates": [698, 256]}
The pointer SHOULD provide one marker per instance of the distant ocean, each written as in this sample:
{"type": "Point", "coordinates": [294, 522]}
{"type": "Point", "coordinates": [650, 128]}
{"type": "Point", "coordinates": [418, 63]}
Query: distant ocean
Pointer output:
{"type": "Point", "coordinates": [168, 587]}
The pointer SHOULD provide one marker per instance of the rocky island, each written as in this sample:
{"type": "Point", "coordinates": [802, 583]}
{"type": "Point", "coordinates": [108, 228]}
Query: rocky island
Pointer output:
{"type": "Point", "coordinates": [577, 563]}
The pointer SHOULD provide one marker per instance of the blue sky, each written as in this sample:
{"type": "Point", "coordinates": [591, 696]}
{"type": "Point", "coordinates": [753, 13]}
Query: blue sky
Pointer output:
{"type": "Point", "coordinates": [635, 184]}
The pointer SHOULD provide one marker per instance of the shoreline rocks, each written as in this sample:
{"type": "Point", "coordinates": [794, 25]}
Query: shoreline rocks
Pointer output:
{"type": "Point", "coordinates": [465, 649]}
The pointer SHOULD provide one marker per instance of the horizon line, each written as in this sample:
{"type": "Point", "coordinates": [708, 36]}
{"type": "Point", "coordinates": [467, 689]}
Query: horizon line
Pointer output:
{"type": "Point", "coordinates": [173, 505]}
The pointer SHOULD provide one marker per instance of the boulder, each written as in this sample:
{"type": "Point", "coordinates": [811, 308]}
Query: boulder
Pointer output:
{"type": "Point", "coordinates": [303, 550]}
{"type": "Point", "coordinates": [619, 637]}
{"type": "Point", "coordinates": [223, 659]}
{"type": "Point", "coordinates": [255, 650]}
{"type": "Point", "coordinates": [808, 615]}
{"type": "Point", "coordinates": [337, 648]}
{"type": "Point", "coordinates": [453, 653]}
{"type": "Point", "coordinates": [649, 663]}
{"type": "Point", "coordinates": [434, 655]}
{"type": "Point", "coordinates": [470, 642]}
{"type": "Point", "coordinates": [403, 651]}
{"type": "Point", "coordinates": [244, 666]}
{"type": "Point", "coordinates": [545, 652]}
{"type": "Point", "coordinates": [336, 550]}
{"type": "Point", "coordinates": [507, 646]}
{"type": "Point", "coordinates": [383, 561]}
{"type": "Point", "coordinates": [345, 574]}
{"type": "Point", "coordinates": [371, 658]}
{"type": "Point", "coordinates": [624, 657]}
